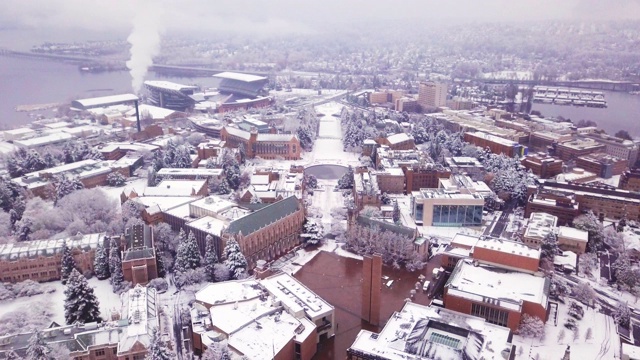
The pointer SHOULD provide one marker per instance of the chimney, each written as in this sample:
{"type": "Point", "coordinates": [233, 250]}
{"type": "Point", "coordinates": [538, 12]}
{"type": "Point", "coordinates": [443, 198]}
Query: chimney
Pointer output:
{"type": "Point", "coordinates": [137, 116]}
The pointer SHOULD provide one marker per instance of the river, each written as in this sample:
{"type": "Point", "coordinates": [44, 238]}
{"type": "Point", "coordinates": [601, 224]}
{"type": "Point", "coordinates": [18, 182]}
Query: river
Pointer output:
{"type": "Point", "coordinates": [37, 81]}
{"type": "Point", "coordinates": [623, 113]}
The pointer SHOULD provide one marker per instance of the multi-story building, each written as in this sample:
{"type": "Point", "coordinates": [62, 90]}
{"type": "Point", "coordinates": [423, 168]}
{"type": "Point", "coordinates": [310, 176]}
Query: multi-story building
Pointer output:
{"type": "Point", "coordinates": [542, 165]}
{"type": "Point", "coordinates": [139, 255]}
{"type": "Point", "coordinates": [543, 140]}
{"type": "Point", "coordinates": [498, 296]}
{"type": "Point", "coordinates": [440, 207]}
{"type": "Point", "coordinates": [496, 144]}
{"type": "Point", "coordinates": [266, 146]}
{"type": "Point", "coordinates": [270, 185]}
{"type": "Point", "coordinates": [620, 148]}
{"type": "Point", "coordinates": [274, 318]}
{"type": "Point", "coordinates": [464, 165]}
{"type": "Point", "coordinates": [605, 201]}
{"type": "Point", "coordinates": [570, 239]}
{"type": "Point", "coordinates": [390, 181]}
{"type": "Point", "coordinates": [429, 332]}
{"type": "Point", "coordinates": [121, 339]}
{"type": "Point", "coordinates": [387, 96]}
{"type": "Point", "coordinates": [630, 180]}
{"type": "Point", "coordinates": [540, 225]}
{"type": "Point", "coordinates": [365, 190]}
{"type": "Point", "coordinates": [115, 150]}
{"type": "Point", "coordinates": [432, 94]}
{"type": "Point", "coordinates": [400, 141]}
{"type": "Point", "coordinates": [425, 176]}
{"type": "Point", "coordinates": [571, 150]}
{"type": "Point", "coordinates": [170, 95]}
{"type": "Point", "coordinates": [90, 172]}
{"type": "Point", "coordinates": [603, 165]}
{"type": "Point", "coordinates": [189, 173]}
{"type": "Point", "coordinates": [559, 204]}
{"type": "Point", "coordinates": [40, 260]}
{"type": "Point", "coordinates": [406, 103]}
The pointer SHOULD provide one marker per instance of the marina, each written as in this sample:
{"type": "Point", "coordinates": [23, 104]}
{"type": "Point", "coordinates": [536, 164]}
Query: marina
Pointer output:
{"type": "Point", "coordinates": [568, 96]}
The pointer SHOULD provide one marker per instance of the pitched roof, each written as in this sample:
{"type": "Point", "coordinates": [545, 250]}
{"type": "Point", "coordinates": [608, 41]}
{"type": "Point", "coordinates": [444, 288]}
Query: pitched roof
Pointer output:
{"type": "Point", "coordinates": [237, 132]}
{"type": "Point", "coordinates": [267, 215]}
{"type": "Point", "coordinates": [386, 226]}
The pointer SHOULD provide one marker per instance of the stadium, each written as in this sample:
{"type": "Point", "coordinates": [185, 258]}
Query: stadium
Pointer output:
{"type": "Point", "coordinates": [171, 95]}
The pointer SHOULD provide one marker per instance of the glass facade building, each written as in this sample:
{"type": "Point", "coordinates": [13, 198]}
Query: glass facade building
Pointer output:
{"type": "Point", "coordinates": [457, 215]}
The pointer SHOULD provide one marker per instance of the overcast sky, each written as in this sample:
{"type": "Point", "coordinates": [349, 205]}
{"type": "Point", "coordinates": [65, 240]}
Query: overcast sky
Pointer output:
{"type": "Point", "coordinates": [114, 17]}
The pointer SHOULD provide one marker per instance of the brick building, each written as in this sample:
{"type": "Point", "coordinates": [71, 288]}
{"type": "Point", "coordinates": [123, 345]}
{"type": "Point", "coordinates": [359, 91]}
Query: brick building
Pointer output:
{"type": "Point", "coordinates": [40, 260]}
{"type": "Point", "coordinates": [424, 177]}
{"type": "Point", "coordinates": [496, 144]}
{"type": "Point", "coordinates": [269, 232]}
{"type": "Point", "coordinates": [277, 318]}
{"type": "Point", "coordinates": [570, 150]}
{"type": "Point", "coordinates": [495, 295]}
{"type": "Point", "coordinates": [559, 204]}
{"type": "Point", "coordinates": [542, 165]}
{"type": "Point", "coordinates": [266, 146]}
{"type": "Point", "coordinates": [603, 165]}
{"type": "Point", "coordinates": [630, 180]}
{"type": "Point", "coordinates": [139, 264]}
{"type": "Point", "coordinates": [432, 94]}
{"type": "Point", "coordinates": [543, 140]}
{"type": "Point", "coordinates": [400, 141]}
{"type": "Point", "coordinates": [127, 337]}
{"type": "Point", "coordinates": [391, 181]}
{"type": "Point", "coordinates": [570, 239]}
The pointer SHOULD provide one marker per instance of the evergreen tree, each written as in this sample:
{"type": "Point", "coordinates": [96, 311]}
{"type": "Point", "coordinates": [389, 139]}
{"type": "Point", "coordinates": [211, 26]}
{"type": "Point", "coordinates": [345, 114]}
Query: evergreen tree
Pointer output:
{"type": "Point", "coordinates": [396, 212]}
{"type": "Point", "coordinates": [162, 270]}
{"type": "Point", "coordinates": [312, 234]}
{"type": "Point", "coordinates": [157, 348]}
{"type": "Point", "coordinates": [235, 260]}
{"type": "Point", "coordinates": [80, 304]}
{"type": "Point", "coordinates": [622, 314]}
{"type": "Point", "coordinates": [101, 263]}
{"type": "Point", "coordinates": [549, 246]}
{"type": "Point", "coordinates": [11, 355]}
{"type": "Point", "coordinates": [37, 348]}
{"type": "Point", "coordinates": [210, 259]}
{"type": "Point", "coordinates": [188, 255]}
{"type": "Point", "coordinates": [68, 262]}
{"type": "Point", "coordinates": [115, 267]}
{"type": "Point", "coordinates": [346, 181]}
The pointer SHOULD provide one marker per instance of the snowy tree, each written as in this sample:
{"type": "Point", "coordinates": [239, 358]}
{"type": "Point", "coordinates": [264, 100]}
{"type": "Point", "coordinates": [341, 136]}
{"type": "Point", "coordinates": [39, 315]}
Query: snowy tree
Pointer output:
{"type": "Point", "coordinates": [157, 348]}
{"type": "Point", "coordinates": [189, 277]}
{"type": "Point", "coordinates": [584, 293]}
{"type": "Point", "coordinates": [221, 272]}
{"type": "Point", "coordinates": [627, 276]}
{"type": "Point", "coordinates": [38, 348]}
{"type": "Point", "coordinates": [159, 284]}
{"type": "Point", "coordinates": [531, 326]}
{"type": "Point", "coordinates": [68, 262]}
{"type": "Point", "coordinates": [188, 255]}
{"type": "Point", "coordinates": [152, 177]}
{"type": "Point", "coordinates": [217, 351]}
{"type": "Point", "coordinates": [311, 233]}
{"type": "Point", "coordinates": [64, 186]}
{"type": "Point", "coordinates": [234, 259]}
{"type": "Point", "coordinates": [115, 179]}
{"type": "Point", "coordinates": [160, 264]}
{"type": "Point", "coordinates": [549, 246]}
{"type": "Point", "coordinates": [231, 170]}
{"type": "Point", "coordinates": [385, 199]}
{"type": "Point", "coordinates": [396, 212]}
{"type": "Point", "coordinates": [210, 258]}
{"type": "Point", "coordinates": [81, 304]}
{"type": "Point", "coordinates": [346, 181]}
{"type": "Point", "coordinates": [310, 181]}
{"type": "Point", "coordinates": [115, 267]}
{"type": "Point", "coordinates": [590, 223]}
{"type": "Point", "coordinates": [622, 314]}
{"type": "Point", "coordinates": [101, 263]}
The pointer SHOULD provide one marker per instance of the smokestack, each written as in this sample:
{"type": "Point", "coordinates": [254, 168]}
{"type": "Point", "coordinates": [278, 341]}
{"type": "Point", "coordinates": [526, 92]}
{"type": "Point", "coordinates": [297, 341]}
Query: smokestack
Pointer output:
{"type": "Point", "coordinates": [137, 116]}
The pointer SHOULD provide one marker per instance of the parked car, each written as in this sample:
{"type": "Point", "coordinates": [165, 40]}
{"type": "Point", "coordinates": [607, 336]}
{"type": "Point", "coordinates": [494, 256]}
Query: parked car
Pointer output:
{"type": "Point", "coordinates": [425, 286]}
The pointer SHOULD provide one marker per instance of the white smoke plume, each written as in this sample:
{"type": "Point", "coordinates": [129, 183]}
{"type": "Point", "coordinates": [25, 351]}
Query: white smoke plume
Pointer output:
{"type": "Point", "coordinates": [145, 43]}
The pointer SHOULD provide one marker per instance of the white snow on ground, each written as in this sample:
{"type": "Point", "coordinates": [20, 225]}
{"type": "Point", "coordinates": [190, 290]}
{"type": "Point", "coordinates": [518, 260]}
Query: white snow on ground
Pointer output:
{"type": "Point", "coordinates": [328, 145]}
{"type": "Point", "coordinates": [303, 256]}
{"type": "Point", "coordinates": [108, 300]}
{"type": "Point", "coordinates": [326, 199]}
{"type": "Point", "coordinates": [604, 344]}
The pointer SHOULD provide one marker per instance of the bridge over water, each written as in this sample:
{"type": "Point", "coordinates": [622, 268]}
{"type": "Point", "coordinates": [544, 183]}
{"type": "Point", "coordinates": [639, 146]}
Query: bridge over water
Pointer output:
{"type": "Point", "coordinates": [612, 85]}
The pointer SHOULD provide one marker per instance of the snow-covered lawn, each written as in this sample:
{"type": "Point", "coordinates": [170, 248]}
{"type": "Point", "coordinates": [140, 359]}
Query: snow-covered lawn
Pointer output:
{"type": "Point", "coordinates": [604, 342]}
{"type": "Point", "coordinates": [328, 146]}
{"type": "Point", "coordinates": [109, 301]}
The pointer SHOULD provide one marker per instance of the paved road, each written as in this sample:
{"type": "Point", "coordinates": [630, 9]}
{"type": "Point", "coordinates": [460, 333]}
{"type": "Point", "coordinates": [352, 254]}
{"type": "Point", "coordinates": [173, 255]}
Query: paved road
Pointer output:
{"type": "Point", "coordinates": [503, 221]}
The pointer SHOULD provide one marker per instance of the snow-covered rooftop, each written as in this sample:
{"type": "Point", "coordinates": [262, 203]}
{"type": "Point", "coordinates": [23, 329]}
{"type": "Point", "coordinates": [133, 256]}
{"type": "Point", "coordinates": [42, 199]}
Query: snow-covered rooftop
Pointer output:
{"type": "Point", "coordinates": [295, 296]}
{"type": "Point", "coordinates": [139, 305]}
{"type": "Point", "coordinates": [175, 188]}
{"type": "Point", "coordinates": [168, 85]}
{"type": "Point", "coordinates": [573, 234]}
{"type": "Point", "coordinates": [37, 248]}
{"type": "Point", "coordinates": [209, 225]}
{"type": "Point", "coordinates": [154, 112]}
{"type": "Point", "coordinates": [106, 100]}
{"type": "Point", "coordinates": [398, 138]}
{"type": "Point", "coordinates": [44, 140]}
{"type": "Point", "coordinates": [421, 332]}
{"type": "Point", "coordinates": [508, 247]}
{"type": "Point", "coordinates": [190, 172]}
{"type": "Point", "coordinates": [239, 76]}
{"type": "Point", "coordinates": [275, 137]}
{"type": "Point", "coordinates": [505, 289]}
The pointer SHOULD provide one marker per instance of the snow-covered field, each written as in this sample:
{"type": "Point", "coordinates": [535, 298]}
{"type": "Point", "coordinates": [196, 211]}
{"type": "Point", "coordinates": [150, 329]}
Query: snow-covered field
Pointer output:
{"type": "Point", "coordinates": [604, 342]}
{"type": "Point", "coordinates": [108, 300]}
{"type": "Point", "coordinates": [328, 146]}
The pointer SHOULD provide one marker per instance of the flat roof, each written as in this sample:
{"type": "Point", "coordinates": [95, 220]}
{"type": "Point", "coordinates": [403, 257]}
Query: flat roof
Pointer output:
{"type": "Point", "coordinates": [497, 286]}
{"type": "Point", "coordinates": [44, 140]}
{"type": "Point", "coordinates": [127, 146]}
{"type": "Point", "coordinates": [168, 85]}
{"type": "Point", "coordinates": [239, 76]}
{"type": "Point", "coordinates": [509, 247]}
{"type": "Point", "coordinates": [295, 296]}
{"type": "Point", "coordinates": [398, 138]}
{"type": "Point", "coordinates": [209, 225]}
{"type": "Point", "coordinates": [189, 172]}
{"type": "Point", "coordinates": [107, 100]}
{"type": "Point", "coordinates": [573, 234]}
{"type": "Point", "coordinates": [175, 188]}
{"type": "Point", "coordinates": [36, 248]}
